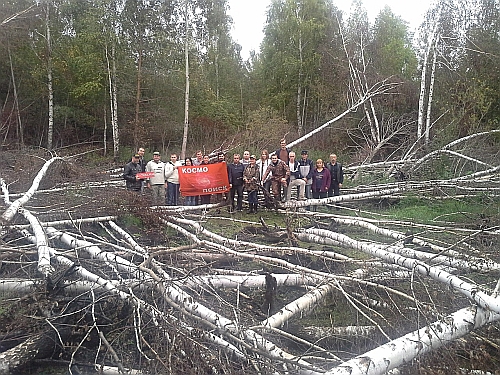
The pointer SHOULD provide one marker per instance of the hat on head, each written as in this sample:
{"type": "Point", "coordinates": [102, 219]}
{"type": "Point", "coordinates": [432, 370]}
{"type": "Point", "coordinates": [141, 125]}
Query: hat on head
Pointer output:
{"type": "Point", "coordinates": [252, 156]}
{"type": "Point", "coordinates": [156, 153]}
{"type": "Point", "coordinates": [303, 152]}
{"type": "Point", "coordinates": [136, 156]}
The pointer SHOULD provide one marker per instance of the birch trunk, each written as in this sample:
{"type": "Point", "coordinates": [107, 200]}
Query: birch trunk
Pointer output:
{"type": "Point", "coordinates": [431, 92]}
{"type": "Point", "coordinates": [50, 128]}
{"type": "Point", "coordinates": [12, 209]}
{"type": "Point", "coordinates": [471, 291]}
{"type": "Point", "coordinates": [402, 350]}
{"type": "Point", "coordinates": [186, 92]}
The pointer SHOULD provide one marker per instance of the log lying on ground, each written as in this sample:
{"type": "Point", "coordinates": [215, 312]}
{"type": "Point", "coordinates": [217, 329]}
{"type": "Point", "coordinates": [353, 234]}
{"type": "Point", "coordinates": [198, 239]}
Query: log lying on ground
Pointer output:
{"type": "Point", "coordinates": [471, 291]}
{"type": "Point", "coordinates": [402, 350]}
{"type": "Point", "coordinates": [42, 345]}
{"type": "Point", "coordinates": [12, 209]}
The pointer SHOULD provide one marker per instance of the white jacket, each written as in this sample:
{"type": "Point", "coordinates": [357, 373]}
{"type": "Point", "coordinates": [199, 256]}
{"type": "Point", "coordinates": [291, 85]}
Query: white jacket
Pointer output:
{"type": "Point", "coordinates": [171, 173]}
{"type": "Point", "coordinates": [159, 170]}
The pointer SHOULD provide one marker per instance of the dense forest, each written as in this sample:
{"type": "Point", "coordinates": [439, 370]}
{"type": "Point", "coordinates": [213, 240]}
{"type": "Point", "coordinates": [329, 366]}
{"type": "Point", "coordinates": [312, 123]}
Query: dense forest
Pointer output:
{"type": "Point", "coordinates": [167, 75]}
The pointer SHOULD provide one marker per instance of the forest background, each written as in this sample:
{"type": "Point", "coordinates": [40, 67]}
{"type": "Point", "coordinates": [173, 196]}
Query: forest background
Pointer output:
{"type": "Point", "coordinates": [166, 75]}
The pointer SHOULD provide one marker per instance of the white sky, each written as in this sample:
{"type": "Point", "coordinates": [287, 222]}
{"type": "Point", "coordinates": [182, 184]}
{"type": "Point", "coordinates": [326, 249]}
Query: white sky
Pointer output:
{"type": "Point", "coordinates": [249, 17]}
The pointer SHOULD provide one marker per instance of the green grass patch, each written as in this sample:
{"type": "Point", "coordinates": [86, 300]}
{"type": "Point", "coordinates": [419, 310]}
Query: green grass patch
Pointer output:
{"type": "Point", "coordinates": [449, 210]}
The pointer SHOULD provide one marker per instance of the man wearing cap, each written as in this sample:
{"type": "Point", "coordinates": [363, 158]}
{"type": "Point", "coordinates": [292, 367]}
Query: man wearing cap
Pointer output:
{"type": "Point", "coordinates": [306, 168]}
{"type": "Point", "coordinates": [130, 174]}
{"type": "Point", "coordinates": [251, 178]}
{"type": "Point", "coordinates": [156, 183]}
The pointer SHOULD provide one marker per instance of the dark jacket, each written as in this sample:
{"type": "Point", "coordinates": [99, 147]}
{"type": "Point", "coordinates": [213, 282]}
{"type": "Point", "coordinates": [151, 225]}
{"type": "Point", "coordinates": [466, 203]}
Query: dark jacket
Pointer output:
{"type": "Point", "coordinates": [336, 172]}
{"type": "Point", "coordinates": [277, 152]}
{"type": "Point", "coordinates": [129, 172]}
{"type": "Point", "coordinates": [326, 180]}
{"type": "Point", "coordinates": [235, 173]}
{"type": "Point", "coordinates": [296, 168]}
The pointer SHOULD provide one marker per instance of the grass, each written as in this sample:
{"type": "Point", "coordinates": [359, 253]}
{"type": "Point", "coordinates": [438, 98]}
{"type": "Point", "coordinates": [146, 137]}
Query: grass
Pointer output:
{"type": "Point", "coordinates": [449, 210]}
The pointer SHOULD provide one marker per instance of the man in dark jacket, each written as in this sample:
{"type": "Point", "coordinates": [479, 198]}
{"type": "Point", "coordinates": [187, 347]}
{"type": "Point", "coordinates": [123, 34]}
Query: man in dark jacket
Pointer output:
{"type": "Point", "coordinates": [235, 174]}
{"type": "Point", "coordinates": [130, 174]}
{"type": "Point", "coordinates": [337, 175]}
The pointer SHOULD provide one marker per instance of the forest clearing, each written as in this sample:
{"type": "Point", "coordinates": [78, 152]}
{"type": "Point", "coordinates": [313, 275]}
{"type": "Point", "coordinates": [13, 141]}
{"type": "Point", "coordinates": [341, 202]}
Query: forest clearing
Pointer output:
{"type": "Point", "coordinates": [376, 279]}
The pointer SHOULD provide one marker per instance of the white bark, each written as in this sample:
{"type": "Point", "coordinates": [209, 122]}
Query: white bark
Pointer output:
{"type": "Point", "coordinates": [471, 291]}
{"type": "Point", "coordinates": [356, 331]}
{"type": "Point", "coordinates": [427, 135]}
{"type": "Point", "coordinates": [186, 92]}
{"type": "Point", "coordinates": [299, 306]}
{"type": "Point", "coordinates": [402, 350]}
{"type": "Point", "coordinates": [50, 128]}
{"type": "Point", "coordinates": [343, 198]}
{"type": "Point", "coordinates": [12, 209]}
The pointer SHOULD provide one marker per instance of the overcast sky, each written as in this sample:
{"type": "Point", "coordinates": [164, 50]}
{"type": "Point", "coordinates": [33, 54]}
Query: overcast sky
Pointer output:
{"type": "Point", "coordinates": [249, 17]}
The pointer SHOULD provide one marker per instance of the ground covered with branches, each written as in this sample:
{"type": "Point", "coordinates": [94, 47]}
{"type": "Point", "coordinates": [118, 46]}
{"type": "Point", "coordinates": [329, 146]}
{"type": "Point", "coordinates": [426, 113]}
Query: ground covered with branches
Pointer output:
{"type": "Point", "coordinates": [305, 287]}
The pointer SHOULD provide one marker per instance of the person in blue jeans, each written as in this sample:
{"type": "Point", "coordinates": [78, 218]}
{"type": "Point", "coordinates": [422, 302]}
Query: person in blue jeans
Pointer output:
{"type": "Point", "coordinates": [172, 177]}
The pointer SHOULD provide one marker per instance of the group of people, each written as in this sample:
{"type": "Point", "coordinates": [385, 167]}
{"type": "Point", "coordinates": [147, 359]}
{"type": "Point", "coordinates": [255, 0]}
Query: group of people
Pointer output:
{"type": "Point", "coordinates": [279, 176]}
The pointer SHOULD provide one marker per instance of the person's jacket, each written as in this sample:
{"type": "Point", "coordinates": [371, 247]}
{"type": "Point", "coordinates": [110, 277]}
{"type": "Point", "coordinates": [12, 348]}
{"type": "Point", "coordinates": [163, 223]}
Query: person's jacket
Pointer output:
{"type": "Point", "coordinates": [325, 181]}
{"type": "Point", "coordinates": [279, 170]}
{"type": "Point", "coordinates": [129, 172]}
{"type": "Point", "coordinates": [159, 170]}
{"type": "Point", "coordinates": [277, 152]}
{"type": "Point", "coordinates": [235, 173]}
{"type": "Point", "coordinates": [262, 165]}
{"type": "Point", "coordinates": [171, 173]}
{"type": "Point", "coordinates": [306, 169]}
{"type": "Point", "coordinates": [251, 177]}
{"type": "Point", "coordinates": [336, 172]}
{"type": "Point", "coordinates": [295, 171]}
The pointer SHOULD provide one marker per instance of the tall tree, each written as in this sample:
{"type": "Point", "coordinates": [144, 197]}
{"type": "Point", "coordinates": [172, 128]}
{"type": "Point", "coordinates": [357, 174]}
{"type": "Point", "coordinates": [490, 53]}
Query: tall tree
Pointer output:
{"type": "Point", "coordinates": [294, 33]}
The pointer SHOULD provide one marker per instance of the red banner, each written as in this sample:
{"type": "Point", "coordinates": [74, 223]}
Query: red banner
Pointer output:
{"type": "Point", "coordinates": [145, 175]}
{"type": "Point", "coordinates": [203, 179]}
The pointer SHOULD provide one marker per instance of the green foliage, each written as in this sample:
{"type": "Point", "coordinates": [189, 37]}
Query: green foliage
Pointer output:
{"type": "Point", "coordinates": [392, 50]}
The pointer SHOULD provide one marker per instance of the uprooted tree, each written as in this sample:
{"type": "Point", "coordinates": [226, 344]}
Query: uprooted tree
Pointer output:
{"type": "Point", "coordinates": [323, 286]}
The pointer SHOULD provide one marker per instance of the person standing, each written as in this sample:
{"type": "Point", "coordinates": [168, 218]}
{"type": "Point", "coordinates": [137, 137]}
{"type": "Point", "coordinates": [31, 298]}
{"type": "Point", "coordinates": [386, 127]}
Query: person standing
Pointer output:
{"type": "Point", "coordinates": [246, 158]}
{"type": "Point", "coordinates": [337, 175]}
{"type": "Point", "coordinates": [235, 174]}
{"type": "Point", "coordinates": [251, 178]}
{"type": "Point", "coordinates": [280, 173]}
{"type": "Point", "coordinates": [321, 180]}
{"type": "Point", "coordinates": [172, 177]}
{"type": "Point", "coordinates": [306, 169]}
{"type": "Point", "coordinates": [283, 152]}
{"type": "Point", "coordinates": [189, 200]}
{"type": "Point", "coordinates": [199, 158]}
{"type": "Point", "coordinates": [205, 198]}
{"type": "Point", "coordinates": [130, 171]}
{"type": "Point", "coordinates": [156, 183]}
{"type": "Point", "coordinates": [142, 161]}
{"type": "Point", "coordinates": [219, 197]}
{"type": "Point", "coordinates": [296, 178]}
{"type": "Point", "coordinates": [262, 164]}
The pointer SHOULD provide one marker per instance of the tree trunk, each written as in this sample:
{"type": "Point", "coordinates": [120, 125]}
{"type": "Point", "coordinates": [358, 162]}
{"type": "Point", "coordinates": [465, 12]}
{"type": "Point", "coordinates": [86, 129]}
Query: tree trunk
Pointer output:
{"type": "Point", "coordinates": [186, 93]}
{"type": "Point", "coordinates": [50, 129]}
